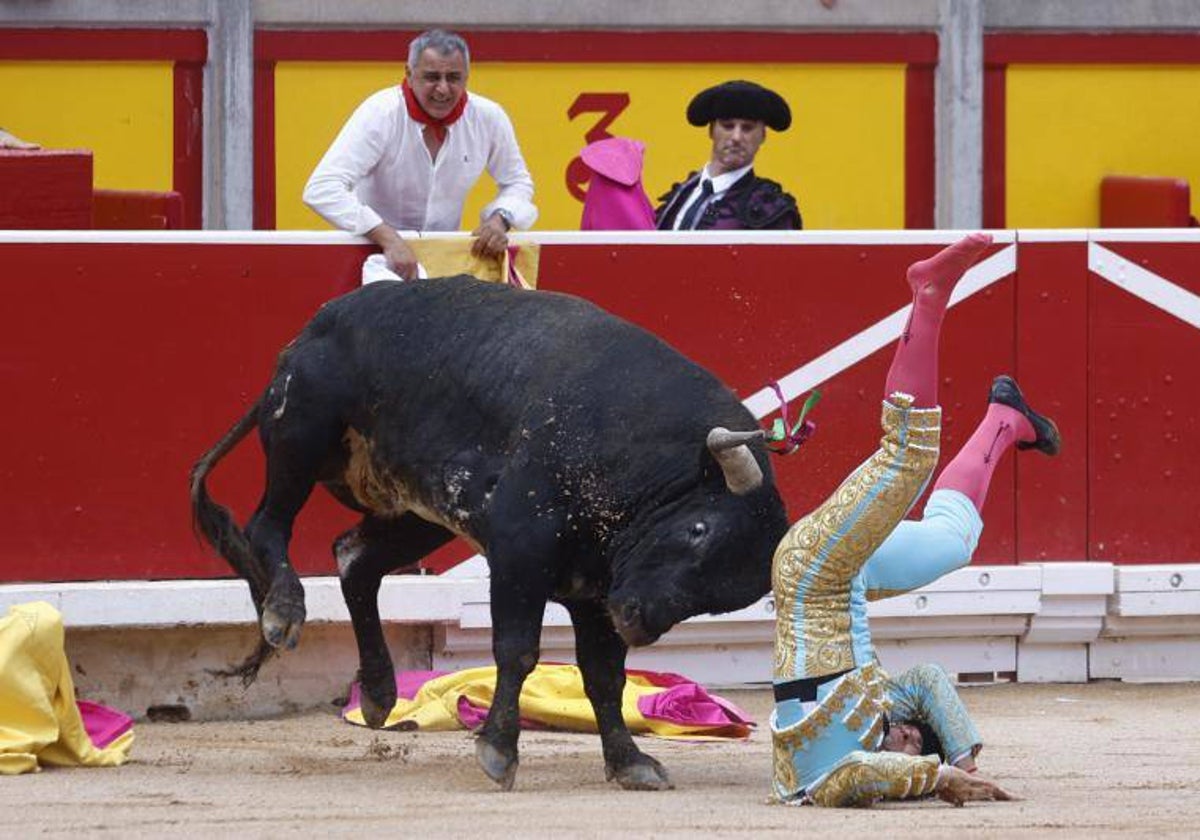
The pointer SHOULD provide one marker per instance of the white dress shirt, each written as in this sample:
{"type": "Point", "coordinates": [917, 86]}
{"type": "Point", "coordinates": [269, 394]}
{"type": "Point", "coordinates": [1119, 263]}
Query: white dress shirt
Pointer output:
{"type": "Point", "coordinates": [379, 170]}
{"type": "Point", "coordinates": [720, 185]}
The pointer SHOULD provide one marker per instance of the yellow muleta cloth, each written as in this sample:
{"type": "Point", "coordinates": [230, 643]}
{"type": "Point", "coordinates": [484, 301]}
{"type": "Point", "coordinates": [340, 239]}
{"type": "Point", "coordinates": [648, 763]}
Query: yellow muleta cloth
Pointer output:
{"type": "Point", "coordinates": [40, 723]}
{"type": "Point", "coordinates": [447, 257]}
{"type": "Point", "coordinates": [553, 698]}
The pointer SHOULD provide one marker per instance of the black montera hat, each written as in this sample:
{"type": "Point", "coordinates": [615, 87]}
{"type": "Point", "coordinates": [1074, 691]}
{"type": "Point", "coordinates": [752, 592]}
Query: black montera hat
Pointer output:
{"type": "Point", "coordinates": [740, 100]}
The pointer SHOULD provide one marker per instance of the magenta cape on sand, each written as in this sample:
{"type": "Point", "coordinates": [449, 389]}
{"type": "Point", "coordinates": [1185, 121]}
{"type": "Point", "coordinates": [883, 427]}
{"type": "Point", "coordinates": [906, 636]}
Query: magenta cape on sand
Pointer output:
{"type": "Point", "coordinates": [661, 704]}
{"type": "Point", "coordinates": [103, 724]}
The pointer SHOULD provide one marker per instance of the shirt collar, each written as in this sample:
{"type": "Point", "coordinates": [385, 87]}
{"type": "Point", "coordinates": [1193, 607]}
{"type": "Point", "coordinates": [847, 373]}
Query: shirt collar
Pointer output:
{"type": "Point", "coordinates": [725, 180]}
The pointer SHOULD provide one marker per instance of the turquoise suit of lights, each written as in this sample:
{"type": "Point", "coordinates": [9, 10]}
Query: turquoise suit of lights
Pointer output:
{"type": "Point", "coordinates": [857, 547]}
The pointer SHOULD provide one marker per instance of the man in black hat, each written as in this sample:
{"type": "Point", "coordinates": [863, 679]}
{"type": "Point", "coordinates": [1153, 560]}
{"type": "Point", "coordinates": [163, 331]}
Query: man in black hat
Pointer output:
{"type": "Point", "coordinates": [726, 194]}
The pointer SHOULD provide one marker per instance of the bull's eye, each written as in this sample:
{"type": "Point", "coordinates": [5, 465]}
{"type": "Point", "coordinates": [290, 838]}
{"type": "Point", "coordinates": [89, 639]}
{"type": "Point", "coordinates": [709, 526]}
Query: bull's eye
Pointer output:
{"type": "Point", "coordinates": [697, 531]}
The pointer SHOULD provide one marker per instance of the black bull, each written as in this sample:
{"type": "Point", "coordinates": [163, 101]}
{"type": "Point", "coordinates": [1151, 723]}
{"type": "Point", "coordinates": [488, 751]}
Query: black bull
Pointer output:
{"type": "Point", "coordinates": [584, 457]}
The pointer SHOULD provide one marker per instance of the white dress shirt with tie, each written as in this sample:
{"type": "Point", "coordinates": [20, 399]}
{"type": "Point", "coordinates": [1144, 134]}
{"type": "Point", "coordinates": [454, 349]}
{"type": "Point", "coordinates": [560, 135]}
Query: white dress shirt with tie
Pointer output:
{"type": "Point", "coordinates": [720, 185]}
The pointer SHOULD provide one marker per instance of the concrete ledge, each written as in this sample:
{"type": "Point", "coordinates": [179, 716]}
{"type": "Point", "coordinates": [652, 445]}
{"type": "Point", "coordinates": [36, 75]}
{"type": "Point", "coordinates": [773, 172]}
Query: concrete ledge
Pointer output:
{"type": "Point", "coordinates": [1151, 630]}
{"type": "Point", "coordinates": [1156, 590]}
{"type": "Point", "coordinates": [139, 644]}
{"type": "Point", "coordinates": [1074, 600]}
{"type": "Point", "coordinates": [169, 669]}
{"type": "Point", "coordinates": [406, 599]}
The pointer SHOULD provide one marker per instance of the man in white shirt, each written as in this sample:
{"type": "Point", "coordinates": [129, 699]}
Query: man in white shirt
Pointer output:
{"type": "Point", "coordinates": [726, 194]}
{"type": "Point", "coordinates": [409, 155]}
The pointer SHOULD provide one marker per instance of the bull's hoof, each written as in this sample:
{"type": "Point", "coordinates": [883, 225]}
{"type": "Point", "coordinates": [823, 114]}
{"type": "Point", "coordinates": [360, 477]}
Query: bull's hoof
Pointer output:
{"type": "Point", "coordinates": [281, 630]}
{"type": "Point", "coordinates": [500, 768]}
{"type": "Point", "coordinates": [376, 706]}
{"type": "Point", "coordinates": [283, 617]}
{"type": "Point", "coordinates": [643, 773]}
{"type": "Point", "coordinates": [375, 714]}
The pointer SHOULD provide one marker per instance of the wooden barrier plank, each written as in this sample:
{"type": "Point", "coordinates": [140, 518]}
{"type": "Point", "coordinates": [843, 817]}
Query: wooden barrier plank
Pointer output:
{"type": "Point", "coordinates": [1144, 386]}
{"type": "Point", "coordinates": [1052, 358]}
{"type": "Point", "coordinates": [130, 357]}
{"type": "Point", "coordinates": [45, 189]}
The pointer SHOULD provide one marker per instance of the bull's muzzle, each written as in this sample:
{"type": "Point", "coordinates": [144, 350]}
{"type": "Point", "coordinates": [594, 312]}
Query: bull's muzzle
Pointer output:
{"type": "Point", "coordinates": [627, 619]}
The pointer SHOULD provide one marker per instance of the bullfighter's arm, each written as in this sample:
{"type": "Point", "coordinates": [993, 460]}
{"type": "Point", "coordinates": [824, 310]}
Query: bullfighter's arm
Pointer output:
{"type": "Point", "coordinates": [926, 694]}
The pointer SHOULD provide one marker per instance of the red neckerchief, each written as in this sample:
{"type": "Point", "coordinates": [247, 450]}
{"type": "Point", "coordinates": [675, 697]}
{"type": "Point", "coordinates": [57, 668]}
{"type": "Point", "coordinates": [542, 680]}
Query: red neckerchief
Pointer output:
{"type": "Point", "coordinates": [422, 116]}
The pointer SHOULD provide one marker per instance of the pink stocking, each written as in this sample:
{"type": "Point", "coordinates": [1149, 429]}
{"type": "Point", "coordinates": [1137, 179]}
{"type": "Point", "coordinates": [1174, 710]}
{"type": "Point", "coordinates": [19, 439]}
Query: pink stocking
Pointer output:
{"type": "Point", "coordinates": [914, 367]}
{"type": "Point", "coordinates": [970, 471]}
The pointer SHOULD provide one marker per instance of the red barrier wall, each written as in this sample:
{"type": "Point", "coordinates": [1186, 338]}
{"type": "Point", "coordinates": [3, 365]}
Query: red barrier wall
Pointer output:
{"type": "Point", "coordinates": [123, 361]}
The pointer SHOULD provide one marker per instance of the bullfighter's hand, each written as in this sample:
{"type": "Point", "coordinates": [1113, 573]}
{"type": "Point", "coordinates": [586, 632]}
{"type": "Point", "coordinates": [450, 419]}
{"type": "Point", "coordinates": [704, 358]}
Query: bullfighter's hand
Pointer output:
{"type": "Point", "coordinates": [958, 787]}
{"type": "Point", "coordinates": [491, 237]}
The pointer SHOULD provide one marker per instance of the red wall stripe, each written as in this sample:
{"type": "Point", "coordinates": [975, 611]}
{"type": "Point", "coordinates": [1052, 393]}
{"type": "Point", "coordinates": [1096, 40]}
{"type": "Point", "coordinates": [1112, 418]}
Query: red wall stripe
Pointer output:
{"type": "Point", "coordinates": [103, 45]}
{"type": "Point", "coordinates": [919, 168]}
{"type": "Point", "coordinates": [264, 145]}
{"type": "Point", "coordinates": [188, 141]}
{"type": "Point", "coordinates": [612, 46]}
{"type": "Point", "coordinates": [994, 150]}
{"type": "Point", "coordinates": [1143, 48]}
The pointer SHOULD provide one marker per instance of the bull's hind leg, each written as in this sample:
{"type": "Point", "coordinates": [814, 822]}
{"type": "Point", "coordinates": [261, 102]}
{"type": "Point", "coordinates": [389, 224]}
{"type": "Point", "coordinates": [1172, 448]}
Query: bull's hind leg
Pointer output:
{"type": "Point", "coordinates": [601, 655]}
{"type": "Point", "coordinates": [299, 437]}
{"type": "Point", "coordinates": [364, 555]}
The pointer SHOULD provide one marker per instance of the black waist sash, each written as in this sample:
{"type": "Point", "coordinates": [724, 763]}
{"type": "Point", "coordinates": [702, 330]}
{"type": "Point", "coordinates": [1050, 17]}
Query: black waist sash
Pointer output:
{"type": "Point", "coordinates": [804, 690]}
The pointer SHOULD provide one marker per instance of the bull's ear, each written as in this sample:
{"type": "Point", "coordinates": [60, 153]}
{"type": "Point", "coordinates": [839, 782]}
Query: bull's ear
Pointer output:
{"type": "Point", "coordinates": [742, 473]}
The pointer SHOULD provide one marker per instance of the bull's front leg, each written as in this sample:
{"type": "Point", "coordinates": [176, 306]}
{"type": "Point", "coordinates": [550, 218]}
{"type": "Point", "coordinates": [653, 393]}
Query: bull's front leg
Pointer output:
{"type": "Point", "coordinates": [601, 655]}
{"type": "Point", "coordinates": [518, 605]}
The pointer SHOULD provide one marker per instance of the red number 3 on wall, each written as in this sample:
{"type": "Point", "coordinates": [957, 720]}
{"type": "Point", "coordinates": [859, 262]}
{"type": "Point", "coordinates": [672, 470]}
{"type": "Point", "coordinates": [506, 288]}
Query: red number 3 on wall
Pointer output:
{"type": "Point", "coordinates": [609, 106]}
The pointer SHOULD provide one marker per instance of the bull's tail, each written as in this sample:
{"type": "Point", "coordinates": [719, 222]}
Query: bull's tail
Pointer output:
{"type": "Point", "coordinates": [216, 525]}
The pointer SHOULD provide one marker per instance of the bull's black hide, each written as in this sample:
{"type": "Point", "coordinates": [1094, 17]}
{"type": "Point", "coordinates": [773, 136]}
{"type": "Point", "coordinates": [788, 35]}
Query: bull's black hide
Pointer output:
{"type": "Point", "coordinates": [585, 457]}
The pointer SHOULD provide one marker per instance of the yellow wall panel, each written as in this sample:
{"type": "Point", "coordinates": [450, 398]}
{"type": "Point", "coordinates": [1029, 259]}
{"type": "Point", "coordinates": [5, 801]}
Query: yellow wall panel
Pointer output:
{"type": "Point", "coordinates": [1067, 127]}
{"type": "Point", "coordinates": [122, 111]}
{"type": "Point", "coordinates": [843, 157]}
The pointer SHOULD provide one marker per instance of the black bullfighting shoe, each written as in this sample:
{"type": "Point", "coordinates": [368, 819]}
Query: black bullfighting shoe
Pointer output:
{"type": "Point", "coordinates": [1005, 392]}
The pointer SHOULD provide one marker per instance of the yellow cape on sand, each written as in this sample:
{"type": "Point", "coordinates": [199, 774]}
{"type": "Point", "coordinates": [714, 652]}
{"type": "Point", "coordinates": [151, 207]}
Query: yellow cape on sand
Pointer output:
{"type": "Point", "coordinates": [39, 721]}
{"type": "Point", "coordinates": [552, 696]}
{"type": "Point", "coordinates": [446, 257]}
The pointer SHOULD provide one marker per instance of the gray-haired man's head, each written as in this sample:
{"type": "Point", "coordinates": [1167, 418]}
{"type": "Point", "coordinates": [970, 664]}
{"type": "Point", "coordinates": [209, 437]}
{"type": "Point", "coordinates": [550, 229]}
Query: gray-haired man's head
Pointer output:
{"type": "Point", "coordinates": [441, 42]}
{"type": "Point", "coordinates": [438, 67]}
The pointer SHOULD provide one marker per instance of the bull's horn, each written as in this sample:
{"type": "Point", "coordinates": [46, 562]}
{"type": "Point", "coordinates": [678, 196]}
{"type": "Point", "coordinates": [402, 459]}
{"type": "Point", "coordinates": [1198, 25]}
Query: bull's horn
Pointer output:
{"type": "Point", "coordinates": [742, 473]}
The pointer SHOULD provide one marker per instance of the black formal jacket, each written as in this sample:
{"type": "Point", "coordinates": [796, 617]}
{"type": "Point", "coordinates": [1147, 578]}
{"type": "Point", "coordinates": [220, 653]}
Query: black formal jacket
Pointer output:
{"type": "Point", "coordinates": [751, 203]}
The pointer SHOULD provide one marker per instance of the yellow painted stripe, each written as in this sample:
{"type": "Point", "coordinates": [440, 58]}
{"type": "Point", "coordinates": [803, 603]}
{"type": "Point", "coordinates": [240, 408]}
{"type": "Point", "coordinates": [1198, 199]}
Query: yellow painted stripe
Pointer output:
{"type": "Point", "coordinates": [122, 111]}
{"type": "Point", "coordinates": [1069, 126]}
{"type": "Point", "coordinates": [843, 158]}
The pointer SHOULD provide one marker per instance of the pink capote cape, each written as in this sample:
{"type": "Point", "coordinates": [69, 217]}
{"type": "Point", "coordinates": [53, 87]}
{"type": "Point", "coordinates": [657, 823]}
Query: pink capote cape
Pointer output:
{"type": "Point", "coordinates": [615, 198]}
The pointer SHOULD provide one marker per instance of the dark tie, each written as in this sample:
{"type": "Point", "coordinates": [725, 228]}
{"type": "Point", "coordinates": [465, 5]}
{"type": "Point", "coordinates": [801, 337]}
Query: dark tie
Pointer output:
{"type": "Point", "coordinates": [689, 218]}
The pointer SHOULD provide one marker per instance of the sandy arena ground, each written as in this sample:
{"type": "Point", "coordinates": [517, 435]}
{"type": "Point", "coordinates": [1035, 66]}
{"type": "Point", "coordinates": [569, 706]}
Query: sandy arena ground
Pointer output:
{"type": "Point", "coordinates": [1088, 760]}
